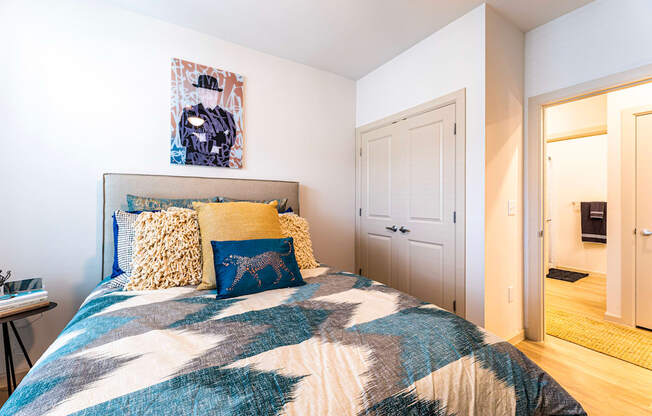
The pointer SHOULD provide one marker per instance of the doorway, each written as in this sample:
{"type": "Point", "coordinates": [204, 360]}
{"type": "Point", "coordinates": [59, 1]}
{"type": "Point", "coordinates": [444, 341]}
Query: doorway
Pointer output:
{"type": "Point", "coordinates": [576, 214]}
{"type": "Point", "coordinates": [589, 168]}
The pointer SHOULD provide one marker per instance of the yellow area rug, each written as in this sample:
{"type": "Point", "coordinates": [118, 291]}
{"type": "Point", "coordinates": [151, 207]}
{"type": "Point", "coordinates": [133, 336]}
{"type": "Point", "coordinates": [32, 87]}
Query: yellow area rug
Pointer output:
{"type": "Point", "coordinates": [628, 344]}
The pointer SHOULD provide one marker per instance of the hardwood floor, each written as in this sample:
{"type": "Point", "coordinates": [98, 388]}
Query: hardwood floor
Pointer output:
{"type": "Point", "coordinates": [602, 384]}
{"type": "Point", "coordinates": [587, 296]}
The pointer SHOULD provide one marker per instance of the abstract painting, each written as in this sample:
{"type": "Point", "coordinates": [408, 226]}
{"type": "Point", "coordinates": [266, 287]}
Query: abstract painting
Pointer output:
{"type": "Point", "coordinates": [206, 116]}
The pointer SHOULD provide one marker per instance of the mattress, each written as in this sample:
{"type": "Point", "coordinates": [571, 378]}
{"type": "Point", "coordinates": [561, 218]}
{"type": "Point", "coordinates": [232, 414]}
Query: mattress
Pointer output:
{"type": "Point", "coordinates": [339, 345]}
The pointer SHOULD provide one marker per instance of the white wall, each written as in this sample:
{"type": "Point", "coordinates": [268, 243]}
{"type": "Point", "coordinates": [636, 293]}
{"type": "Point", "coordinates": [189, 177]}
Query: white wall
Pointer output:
{"type": "Point", "coordinates": [576, 117]}
{"type": "Point", "coordinates": [86, 90]}
{"type": "Point", "coordinates": [577, 172]}
{"type": "Point", "coordinates": [448, 60]}
{"type": "Point", "coordinates": [602, 38]}
{"type": "Point", "coordinates": [503, 181]}
{"type": "Point", "coordinates": [618, 101]}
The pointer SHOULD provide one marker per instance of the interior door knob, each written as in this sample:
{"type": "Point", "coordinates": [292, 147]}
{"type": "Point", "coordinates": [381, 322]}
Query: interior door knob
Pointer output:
{"type": "Point", "coordinates": [392, 228]}
{"type": "Point", "coordinates": [403, 229]}
{"type": "Point", "coordinates": [645, 232]}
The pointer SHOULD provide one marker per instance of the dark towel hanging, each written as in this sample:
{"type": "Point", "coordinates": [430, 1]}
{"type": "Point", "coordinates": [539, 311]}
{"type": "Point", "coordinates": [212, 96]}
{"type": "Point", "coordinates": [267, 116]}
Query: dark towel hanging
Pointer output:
{"type": "Point", "coordinates": [597, 209]}
{"type": "Point", "coordinates": [594, 222]}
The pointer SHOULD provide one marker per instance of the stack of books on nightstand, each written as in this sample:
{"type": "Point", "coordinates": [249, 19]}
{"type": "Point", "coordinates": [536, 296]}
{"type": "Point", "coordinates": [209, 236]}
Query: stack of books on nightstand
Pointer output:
{"type": "Point", "coordinates": [21, 296]}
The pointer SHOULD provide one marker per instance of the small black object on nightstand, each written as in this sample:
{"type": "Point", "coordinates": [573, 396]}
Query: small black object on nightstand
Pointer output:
{"type": "Point", "coordinates": [6, 321]}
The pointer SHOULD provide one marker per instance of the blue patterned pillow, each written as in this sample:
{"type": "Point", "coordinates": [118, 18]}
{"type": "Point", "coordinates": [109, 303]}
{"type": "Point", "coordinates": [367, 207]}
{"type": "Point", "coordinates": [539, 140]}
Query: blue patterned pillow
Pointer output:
{"type": "Point", "coordinates": [251, 266]}
{"type": "Point", "coordinates": [144, 203]}
{"type": "Point", "coordinates": [123, 238]}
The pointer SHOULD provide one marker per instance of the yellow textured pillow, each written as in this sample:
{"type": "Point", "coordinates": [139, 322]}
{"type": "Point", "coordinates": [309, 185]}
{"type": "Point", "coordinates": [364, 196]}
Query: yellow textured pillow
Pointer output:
{"type": "Point", "coordinates": [296, 227]}
{"type": "Point", "coordinates": [231, 221]}
{"type": "Point", "coordinates": [166, 250]}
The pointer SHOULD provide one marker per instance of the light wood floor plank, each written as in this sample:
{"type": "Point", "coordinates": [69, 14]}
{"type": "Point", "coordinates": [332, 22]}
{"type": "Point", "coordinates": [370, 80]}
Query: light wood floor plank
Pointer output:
{"type": "Point", "coordinates": [602, 384]}
{"type": "Point", "coordinates": [587, 296]}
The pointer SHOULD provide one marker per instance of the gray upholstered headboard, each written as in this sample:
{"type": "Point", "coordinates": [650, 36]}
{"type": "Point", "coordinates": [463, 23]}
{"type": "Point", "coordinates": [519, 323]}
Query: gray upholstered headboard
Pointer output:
{"type": "Point", "coordinates": [116, 186]}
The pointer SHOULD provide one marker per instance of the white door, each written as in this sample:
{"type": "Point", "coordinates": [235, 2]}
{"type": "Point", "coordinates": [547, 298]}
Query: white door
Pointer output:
{"type": "Point", "coordinates": [644, 221]}
{"type": "Point", "coordinates": [408, 202]}
{"type": "Point", "coordinates": [427, 205]}
{"type": "Point", "coordinates": [379, 225]}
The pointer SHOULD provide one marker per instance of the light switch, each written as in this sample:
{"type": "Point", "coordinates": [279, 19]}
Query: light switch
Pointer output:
{"type": "Point", "coordinates": [510, 294]}
{"type": "Point", "coordinates": [511, 207]}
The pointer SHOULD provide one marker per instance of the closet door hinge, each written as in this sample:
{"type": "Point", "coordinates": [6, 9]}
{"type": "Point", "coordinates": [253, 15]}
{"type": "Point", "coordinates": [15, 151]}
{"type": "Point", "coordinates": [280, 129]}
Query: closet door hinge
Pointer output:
{"type": "Point", "coordinates": [360, 212]}
{"type": "Point", "coordinates": [361, 152]}
{"type": "Point", "coordinates": [454, 128]}
{"type": "Point", "coordinates": [454, 217]}
{"type": "Point", "coordinates": [454, 306]}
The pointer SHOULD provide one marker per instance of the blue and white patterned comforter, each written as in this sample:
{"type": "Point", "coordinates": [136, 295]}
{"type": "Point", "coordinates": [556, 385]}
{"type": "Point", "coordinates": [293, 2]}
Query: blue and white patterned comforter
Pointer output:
{"type": "Point", "coordinates": [340, 345]}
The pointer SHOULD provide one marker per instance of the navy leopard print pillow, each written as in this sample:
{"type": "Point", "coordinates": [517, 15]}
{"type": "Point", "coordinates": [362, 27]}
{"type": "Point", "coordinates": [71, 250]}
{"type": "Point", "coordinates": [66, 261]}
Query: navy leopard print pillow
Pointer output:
{"type": "Point", "coordinates": [252, 266]}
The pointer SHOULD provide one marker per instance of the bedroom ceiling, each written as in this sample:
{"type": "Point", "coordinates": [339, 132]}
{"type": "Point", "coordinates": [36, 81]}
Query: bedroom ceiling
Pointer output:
{"type": "Point", "coordinates": [347, 37]}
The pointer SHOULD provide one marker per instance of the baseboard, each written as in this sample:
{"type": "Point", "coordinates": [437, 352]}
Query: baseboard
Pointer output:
{"type": "Point", "coordinates": [520, 336]}
{"type": "Point", "coordinates": [617, 319]}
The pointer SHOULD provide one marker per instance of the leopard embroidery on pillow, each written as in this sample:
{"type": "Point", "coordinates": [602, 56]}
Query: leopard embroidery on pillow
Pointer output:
{"type": "Point", "coordinates": [252, 266]}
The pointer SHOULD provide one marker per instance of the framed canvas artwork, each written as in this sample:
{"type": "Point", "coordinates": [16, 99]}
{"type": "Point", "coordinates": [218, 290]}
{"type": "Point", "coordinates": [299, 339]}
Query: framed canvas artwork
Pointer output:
{"type": "Point", "coordinates": [206, 116]}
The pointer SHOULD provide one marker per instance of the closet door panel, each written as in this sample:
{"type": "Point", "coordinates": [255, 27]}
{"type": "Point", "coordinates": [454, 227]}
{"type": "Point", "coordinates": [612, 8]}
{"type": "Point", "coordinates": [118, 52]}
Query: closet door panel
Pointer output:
{"type": "Point", "coordinates": [379, 258]}
{"type": "Point", "coordinates": [425, 146]}
{"type": "Point", "coordinates": [378, 186]}
{"type": "Point", "coordinates": [428, 252]}
{"type": "Point", "coordinates": [379, 200]}
{"type": "Point", "coordinates": [426, 271]}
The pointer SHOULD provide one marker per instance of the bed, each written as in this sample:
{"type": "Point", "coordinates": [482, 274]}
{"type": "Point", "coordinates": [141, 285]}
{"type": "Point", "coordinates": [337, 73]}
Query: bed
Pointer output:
{"type": "Point", "coordinates": [340, 345]}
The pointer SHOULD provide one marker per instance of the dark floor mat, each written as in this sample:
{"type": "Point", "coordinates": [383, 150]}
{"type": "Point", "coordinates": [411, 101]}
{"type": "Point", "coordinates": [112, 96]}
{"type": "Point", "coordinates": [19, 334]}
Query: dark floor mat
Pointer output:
{"type": "Point", "coordinates": [565, 275]}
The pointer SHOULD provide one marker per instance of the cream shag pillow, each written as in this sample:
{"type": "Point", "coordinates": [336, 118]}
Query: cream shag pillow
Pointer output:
{"type": "Point", "coordinates": [296, 227]}
{"type": "Point", "coordinates": [166, 250]}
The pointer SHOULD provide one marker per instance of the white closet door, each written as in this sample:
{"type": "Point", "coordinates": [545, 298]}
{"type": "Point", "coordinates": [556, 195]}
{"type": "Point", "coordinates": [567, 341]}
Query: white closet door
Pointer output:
{"type": "Point", "coordinates": [426, 203]}
{"type": "Point", "coordinates": [644, 221]}
{"type": "Point", "coordinates": [407, 233]}
{"type": "Point", "coordinates": [378, 237]}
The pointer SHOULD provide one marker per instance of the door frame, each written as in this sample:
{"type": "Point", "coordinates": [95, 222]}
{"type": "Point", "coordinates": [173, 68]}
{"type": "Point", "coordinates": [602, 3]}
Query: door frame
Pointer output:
{"type": "Point", "coordinates": [459, 99]}
{"type": "Point", "coordinates": [534, 151]}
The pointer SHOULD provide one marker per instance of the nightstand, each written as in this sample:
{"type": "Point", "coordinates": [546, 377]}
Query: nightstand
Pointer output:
{"type": "Point", "coordinates": [9, 360]}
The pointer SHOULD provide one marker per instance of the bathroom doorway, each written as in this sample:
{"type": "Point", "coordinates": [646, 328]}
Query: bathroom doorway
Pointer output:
{"type": "Point", "coordinates": [584, 160]}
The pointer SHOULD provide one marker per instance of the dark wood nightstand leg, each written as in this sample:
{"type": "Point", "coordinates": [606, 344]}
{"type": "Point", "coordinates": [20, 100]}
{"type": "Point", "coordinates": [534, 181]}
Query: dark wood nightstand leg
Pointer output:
{"type": "Point", "coordinates": [11, 363]}
{"type": "Point", "coordinates": [20, 342]}
{"type": "Point", "coordinates": [7, 348]}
